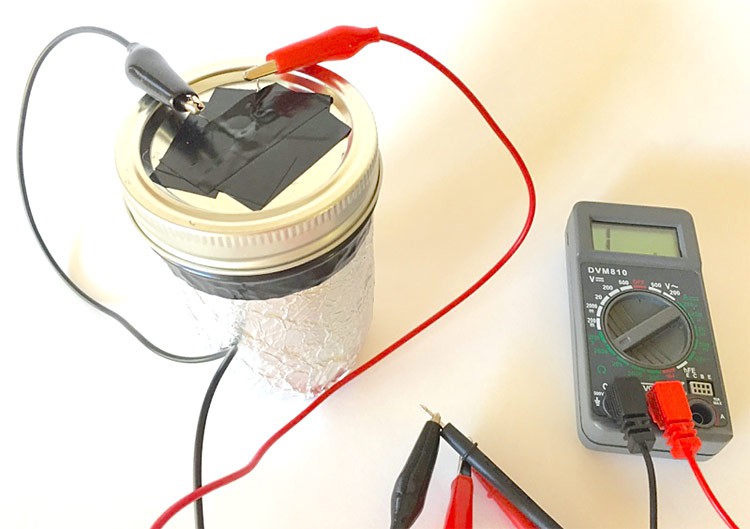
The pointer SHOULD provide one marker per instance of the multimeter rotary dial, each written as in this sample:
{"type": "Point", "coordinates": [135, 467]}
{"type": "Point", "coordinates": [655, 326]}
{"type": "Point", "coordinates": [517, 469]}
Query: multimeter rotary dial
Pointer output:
{"type": "Point", "coordinates": [647, 329]}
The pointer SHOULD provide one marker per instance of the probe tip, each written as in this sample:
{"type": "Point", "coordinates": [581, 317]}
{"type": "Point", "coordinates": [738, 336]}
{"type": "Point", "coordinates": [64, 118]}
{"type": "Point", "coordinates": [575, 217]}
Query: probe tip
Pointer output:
{"type": "Point", "coordinates": [434, 416]}
{"type": "Point", "coordinates": [256, 72]}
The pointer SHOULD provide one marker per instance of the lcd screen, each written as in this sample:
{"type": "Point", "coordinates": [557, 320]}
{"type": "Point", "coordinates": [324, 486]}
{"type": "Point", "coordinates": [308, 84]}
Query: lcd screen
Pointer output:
{"type": "Point", "coordinates": [628, 238]}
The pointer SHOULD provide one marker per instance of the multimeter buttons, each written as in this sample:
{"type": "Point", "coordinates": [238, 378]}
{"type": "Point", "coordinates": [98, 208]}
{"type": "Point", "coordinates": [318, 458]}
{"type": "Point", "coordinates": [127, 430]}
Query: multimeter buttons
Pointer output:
{"type": "Point", "coordinates": [647, 330]}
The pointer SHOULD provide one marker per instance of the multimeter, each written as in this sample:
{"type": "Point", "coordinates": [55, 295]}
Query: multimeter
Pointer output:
{"type": "Point", "coordinates": [638, 308]}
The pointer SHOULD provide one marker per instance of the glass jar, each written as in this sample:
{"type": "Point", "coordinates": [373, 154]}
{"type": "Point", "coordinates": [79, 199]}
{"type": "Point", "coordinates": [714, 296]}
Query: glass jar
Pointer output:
{"type": "Point", "coordinates": [291, 283]}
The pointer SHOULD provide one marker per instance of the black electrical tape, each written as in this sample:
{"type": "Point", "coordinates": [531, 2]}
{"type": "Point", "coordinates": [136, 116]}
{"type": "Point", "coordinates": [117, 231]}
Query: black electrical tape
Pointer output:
{"type": "Point", "coordinates": [468, 451]}
{"type": "Point", "coordinates": [410, 490]}
{"type": "Point", "coordinates": [252, 149]}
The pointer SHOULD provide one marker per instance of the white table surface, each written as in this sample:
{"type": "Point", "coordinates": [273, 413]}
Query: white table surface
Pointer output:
{"type": "Point", "coordinates": [633, 102]}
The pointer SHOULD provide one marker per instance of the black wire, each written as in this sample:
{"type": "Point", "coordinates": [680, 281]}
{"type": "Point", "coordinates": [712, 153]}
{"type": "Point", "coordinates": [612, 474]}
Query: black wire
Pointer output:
{"type": "Point", "coordinates": [200, 433]}
{"type": "Point", "coordinates": [651, 485]}
{"type": "Point", "coordinates": [22, 181]}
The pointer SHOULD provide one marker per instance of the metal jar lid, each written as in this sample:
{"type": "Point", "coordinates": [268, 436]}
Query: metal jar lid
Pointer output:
{"type": "Point", "coordinates": [320, 210]}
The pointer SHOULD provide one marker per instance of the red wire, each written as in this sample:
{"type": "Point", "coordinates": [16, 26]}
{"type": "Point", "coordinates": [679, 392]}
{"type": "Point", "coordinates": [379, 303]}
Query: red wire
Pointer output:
{"type": "Point", "coordinates": [205, 489]}
{"type": "Point", "coordinates": [707, 490]}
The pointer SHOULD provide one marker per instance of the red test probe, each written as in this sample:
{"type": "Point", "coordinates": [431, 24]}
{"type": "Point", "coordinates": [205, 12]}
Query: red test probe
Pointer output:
{"type": "Point", "coordinates": [470, 452]}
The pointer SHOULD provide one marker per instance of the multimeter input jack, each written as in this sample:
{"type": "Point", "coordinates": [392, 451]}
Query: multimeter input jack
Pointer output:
{"type": "Point", "coordinates": [704, 415]}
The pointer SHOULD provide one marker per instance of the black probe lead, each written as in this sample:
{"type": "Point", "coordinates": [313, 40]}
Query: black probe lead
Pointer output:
{"type": "Point", "coordinates": [150, 72]}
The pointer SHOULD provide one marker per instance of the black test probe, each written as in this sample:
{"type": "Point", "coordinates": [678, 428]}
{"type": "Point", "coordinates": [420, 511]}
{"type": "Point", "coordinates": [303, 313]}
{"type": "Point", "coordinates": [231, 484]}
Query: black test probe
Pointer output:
{"type": "Point", "coordinates": [470, 452]}
{"type": "Point", "coordinates": [411, 486]}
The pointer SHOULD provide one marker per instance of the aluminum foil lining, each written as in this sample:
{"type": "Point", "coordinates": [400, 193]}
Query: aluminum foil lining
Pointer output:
{"type": "Point", "coordinates": [300, 343]}
{"type": "Point", "coordinates": [306, 341]}
{"type": "Point", "coordinates": [217, 320]}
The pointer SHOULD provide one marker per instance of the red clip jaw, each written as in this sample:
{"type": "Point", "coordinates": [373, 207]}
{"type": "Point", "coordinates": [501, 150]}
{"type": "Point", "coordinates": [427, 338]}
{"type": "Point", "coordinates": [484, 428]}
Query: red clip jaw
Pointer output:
{"type": "Point", "coordinates": [669, 409]}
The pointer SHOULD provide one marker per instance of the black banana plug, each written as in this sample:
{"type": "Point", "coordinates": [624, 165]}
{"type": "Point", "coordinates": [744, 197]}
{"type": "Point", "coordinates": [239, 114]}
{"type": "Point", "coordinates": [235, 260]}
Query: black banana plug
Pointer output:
{"type": "Point", "coordinates": [149, 71]}
{"type": "Point", "coordinates": [410, 490]}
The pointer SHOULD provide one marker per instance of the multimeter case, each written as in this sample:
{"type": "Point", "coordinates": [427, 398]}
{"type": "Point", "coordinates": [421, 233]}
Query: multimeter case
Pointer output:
{"type": "Point", "coordinates": [595, 430]}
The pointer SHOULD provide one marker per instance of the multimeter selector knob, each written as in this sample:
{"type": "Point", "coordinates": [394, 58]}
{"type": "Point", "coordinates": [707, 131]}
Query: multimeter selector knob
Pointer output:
{"type": "Point", "coordinates": [647, 330]}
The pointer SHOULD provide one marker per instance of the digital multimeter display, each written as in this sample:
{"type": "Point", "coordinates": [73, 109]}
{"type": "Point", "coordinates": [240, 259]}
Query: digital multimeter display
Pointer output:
{"type": "Point", "coordinates": [629, 238]}
{"type": "Point", "coordinates": [639, 309]}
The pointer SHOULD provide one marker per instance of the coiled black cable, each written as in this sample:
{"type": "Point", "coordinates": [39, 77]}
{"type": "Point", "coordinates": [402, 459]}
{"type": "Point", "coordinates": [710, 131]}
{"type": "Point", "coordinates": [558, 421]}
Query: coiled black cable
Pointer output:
{"type": "Point", "coordinates": [22, 182]}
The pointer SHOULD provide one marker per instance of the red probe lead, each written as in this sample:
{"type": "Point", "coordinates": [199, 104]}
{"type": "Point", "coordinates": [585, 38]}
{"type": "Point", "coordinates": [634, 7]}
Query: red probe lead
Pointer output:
{"type": "Point", "coordinates": [337, 43]}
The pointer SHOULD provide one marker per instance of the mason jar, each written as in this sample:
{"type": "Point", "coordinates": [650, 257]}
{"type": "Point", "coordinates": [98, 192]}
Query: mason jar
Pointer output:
{"type": "Point", "coordinates": [291, 283]}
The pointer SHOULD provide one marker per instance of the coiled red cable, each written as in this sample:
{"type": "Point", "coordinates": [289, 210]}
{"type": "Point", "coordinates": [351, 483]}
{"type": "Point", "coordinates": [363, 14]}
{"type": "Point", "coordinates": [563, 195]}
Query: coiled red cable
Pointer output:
{"type": "Point", "coordinates": [229, 478]}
